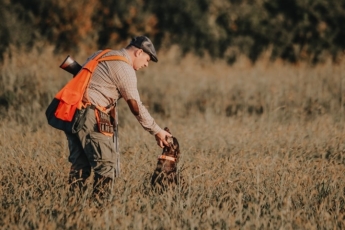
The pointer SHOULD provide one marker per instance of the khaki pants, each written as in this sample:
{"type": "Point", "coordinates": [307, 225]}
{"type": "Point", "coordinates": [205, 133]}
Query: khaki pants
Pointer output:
{"type": "Point", "coordinates": [89, 149]}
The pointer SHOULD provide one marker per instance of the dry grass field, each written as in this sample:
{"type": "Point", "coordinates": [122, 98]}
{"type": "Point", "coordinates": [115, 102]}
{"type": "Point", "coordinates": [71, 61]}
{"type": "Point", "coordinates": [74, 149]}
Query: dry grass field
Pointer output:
{"type": "Point", "coordinates": [263, 147]}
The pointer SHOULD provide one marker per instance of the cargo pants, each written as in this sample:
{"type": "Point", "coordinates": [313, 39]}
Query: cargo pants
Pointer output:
{"type": "Point", "coordinates": [90, 149]}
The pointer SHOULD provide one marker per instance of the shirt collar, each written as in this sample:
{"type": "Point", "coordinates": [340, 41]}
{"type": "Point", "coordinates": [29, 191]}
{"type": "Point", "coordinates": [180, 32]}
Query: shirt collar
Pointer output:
{"type": "Point", "coordinates": [125, 53]}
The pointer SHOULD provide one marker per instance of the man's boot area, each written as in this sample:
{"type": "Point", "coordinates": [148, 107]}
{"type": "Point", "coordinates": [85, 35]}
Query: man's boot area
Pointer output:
{"type": "Point", "coordinates": [77, 180]}
{"type": "Point", "coordinates": [102, 188]}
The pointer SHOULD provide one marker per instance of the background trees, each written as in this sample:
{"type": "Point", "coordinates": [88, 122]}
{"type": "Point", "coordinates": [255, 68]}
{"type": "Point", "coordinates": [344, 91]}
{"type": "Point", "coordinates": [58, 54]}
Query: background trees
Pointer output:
{"type": "Point", "coordinates": [303, 30]}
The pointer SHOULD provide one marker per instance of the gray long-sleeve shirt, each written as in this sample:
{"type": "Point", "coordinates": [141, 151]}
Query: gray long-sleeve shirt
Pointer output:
{"type": "Point", "coordinates": [113, 80]}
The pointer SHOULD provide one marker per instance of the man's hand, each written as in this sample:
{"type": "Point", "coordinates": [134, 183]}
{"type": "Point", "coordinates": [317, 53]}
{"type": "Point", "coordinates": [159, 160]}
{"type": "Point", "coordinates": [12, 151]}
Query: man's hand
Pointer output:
{"type": "Point", "coordinates": [160, 138]}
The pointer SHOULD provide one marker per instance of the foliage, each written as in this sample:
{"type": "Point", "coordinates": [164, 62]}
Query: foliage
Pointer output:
{"type": "Point", "coordinates": [262, 148]}
{"type": "Point", "coordinates": [239, 173]}
{"type": "Point", "coordinates": [262, 145]}
{"type": "Point", "coordinates": [308, 30]}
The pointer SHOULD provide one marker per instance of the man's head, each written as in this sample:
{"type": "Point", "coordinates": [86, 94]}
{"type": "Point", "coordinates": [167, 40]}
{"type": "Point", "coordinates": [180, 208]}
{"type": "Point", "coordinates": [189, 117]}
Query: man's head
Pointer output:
{"type": "Point", "coordinates": [142, 51]}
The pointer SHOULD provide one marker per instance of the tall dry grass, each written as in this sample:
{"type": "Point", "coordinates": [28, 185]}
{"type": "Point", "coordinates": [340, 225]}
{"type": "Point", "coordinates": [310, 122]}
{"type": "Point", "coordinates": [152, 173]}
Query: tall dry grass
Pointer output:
{"type": "Point", "coordinates": [262, 148]}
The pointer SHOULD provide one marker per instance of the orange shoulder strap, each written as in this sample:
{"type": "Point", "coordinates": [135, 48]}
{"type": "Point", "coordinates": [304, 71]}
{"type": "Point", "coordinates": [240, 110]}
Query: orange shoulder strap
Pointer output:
{"type": "Point", "coordinates": [101, 54]}
{"type": "Point", "coordinates": [114, 58]}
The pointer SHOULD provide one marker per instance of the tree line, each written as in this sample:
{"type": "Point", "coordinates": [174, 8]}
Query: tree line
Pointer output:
{"type": "Point", "coordinates": [293, 30]}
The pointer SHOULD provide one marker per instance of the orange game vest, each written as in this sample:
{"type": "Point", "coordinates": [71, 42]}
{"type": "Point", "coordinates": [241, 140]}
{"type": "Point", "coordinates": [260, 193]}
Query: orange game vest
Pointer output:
{"type": "Point", "coordinates": [71, 95]}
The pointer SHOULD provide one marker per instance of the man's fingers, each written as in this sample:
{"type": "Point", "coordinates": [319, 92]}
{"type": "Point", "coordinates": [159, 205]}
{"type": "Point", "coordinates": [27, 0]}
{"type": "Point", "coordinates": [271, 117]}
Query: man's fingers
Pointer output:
{"type": "Point", "coordinates": [161, 138]}
{"type": "Point", "coordinates": [160, 144]}
{"type": "Point", "coordinates": [165, 143]}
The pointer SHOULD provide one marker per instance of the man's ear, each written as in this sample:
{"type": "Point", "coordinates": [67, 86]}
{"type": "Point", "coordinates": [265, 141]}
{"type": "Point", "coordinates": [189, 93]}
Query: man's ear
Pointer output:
{"type": "Point", "coordinates": [138, 52]}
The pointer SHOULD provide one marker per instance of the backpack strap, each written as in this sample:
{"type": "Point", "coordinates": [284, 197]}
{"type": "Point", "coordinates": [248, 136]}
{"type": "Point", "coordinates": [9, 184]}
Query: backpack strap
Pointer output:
{"type": "Point", "coordinates": [99, 58]}
{"type": "Point", "coordinates": [114, 58]}
{"type": "Point", "coordinates": [101, 54]}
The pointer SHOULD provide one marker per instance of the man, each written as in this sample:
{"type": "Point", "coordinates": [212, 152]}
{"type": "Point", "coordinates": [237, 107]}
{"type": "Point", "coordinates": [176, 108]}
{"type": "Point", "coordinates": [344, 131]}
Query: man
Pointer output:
{"type": "Point", "coordinates": [110, 81]}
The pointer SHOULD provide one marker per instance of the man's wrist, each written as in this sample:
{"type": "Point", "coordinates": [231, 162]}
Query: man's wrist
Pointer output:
{"type": "Point", "coordinates": [156, 130]}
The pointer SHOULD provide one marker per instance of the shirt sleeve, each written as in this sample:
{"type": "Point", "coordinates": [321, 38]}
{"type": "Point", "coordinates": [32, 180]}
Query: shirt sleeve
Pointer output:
{"type": "Point", "coordinates": [127, 86]}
